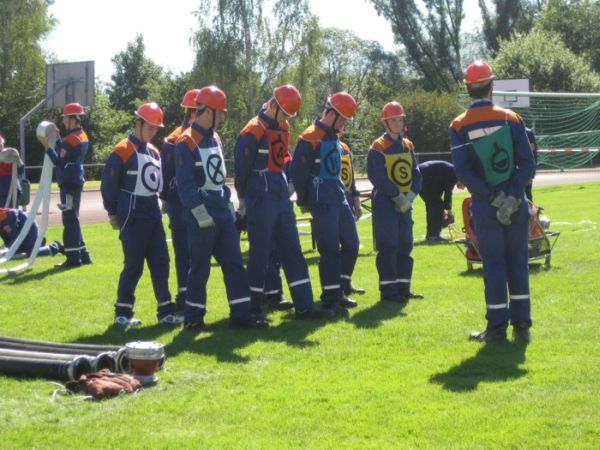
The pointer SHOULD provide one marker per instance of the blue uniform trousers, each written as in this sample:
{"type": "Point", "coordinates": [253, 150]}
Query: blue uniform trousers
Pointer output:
{"type": "Point", "coordinates": [75, 250]}
{"type": "Point", "coordinates": [180, 248]}
{"type": "Point", "coordinates": [331, 228]}
{"type": "Point", "coordinates": [394, 241]}
{"type": "Point", "coordinates": [273, 284]}
{"type": "Point", "coordinates": [272, 224]}
{"type": "Point", "coordinates": [144, 240]}
{"type": "Point", "coordinates": [222, 242]}
{"type": "Point", "coordinates": [349, 247]}
{"type": "Point", "coordinates": [504, 252]}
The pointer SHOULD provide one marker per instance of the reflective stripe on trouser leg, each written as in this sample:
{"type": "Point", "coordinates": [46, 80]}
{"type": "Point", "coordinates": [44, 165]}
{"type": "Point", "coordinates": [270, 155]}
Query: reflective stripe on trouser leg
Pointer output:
{"type": "Point", "coordinates": [349, 245]}
{"type": "Point", "coordinates": [158, 263]}
{"type": "Point", "coordinates": [200, 244]}
{"type": "Point", "coordinates": [287, 243]}
{"type": "Point", "coordinates": [326, 228]}
{"type": "Point", "coordinates": [491, 238]}
{"type": "Point", "coordinates": [72, 228]}
{"type": "Point", "coordinates": [517, 238]}
{"type": "Point", "coordinates": [227, 253]}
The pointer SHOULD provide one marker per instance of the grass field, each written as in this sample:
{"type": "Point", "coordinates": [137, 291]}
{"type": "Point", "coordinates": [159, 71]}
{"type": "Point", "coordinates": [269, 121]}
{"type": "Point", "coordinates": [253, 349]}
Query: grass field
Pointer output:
{"type": "Point", "coordinates": [387, 377]}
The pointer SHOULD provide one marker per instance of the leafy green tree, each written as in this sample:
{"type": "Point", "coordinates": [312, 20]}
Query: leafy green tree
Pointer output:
{"type": "Point", "coordinates": [105, 127]}
{"type": "Point", "coordinates": [247, 52]}
{"type": "Point", "coordinates": [509, 17]}
{"type": "Point", "coordinates": [136, 77]}
{"type": "Point", "coordinates": [545, 59]}
{"type": "Point", "coordinates": [576, 21]}
{"type": "Point", "coordinates": [431, 36]}
{"type": "Point", "coordinates": [23, 24]}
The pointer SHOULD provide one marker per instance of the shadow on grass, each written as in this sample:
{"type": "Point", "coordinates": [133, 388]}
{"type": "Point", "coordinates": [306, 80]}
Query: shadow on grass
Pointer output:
{"type": "Point", "coordinates": [216, 339]}
{"type": "Point", "coordinates": [373, 316]}
{"type": "Point", "coordinates": [29, 275]}
{"type": "Point", "coordinates": [492, 363]}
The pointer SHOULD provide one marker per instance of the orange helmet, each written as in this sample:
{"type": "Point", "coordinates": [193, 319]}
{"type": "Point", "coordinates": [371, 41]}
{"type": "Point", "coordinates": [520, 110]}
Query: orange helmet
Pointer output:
{"type": "Point", "coordinates": [288, 98]}
{"type": "Point", "coordinates": [73, 109]}
{"type": "Point", "coordinates": [189, 99]}
{"type": "Point", "coordinates": [343, 103]}
{"type": "Point", "coordinates": [478, 72]}
{"type": "Point", "coordinates": [213, 97]}
{"type": "Point", "coordinates": [151, 113]}
{"type": "Point", "coordinates": [392, 109]}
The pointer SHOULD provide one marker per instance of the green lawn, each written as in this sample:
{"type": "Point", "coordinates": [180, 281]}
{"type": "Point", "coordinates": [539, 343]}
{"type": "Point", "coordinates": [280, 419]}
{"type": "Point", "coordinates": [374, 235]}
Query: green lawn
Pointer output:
{"type": "Point", "coordinates": [387, 377]}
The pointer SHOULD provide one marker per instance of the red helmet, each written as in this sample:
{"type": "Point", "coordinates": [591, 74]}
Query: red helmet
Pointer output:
{"type": "Point", "coordinates": [392, 109]}
{"type": "Point", "coordinates": [343, 103]}
{"type": "Point", "coordinates": [288, 98]}
{"type": "Point", "coordinates": [213, 97]}
{"type": "Point", "coordinates": [478, 72]}
{"type": "Point", "coordinates": [73, 109]}
{"type": "Point", "coordinates": [151, 113]}
{"type": "Point", "coordinates": [189, 99]}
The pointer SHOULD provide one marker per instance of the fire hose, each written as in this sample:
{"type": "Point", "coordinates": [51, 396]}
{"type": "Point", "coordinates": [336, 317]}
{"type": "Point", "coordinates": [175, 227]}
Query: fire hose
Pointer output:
{"type": "Point", "coordinates": [45, 368]}
{"type": "Point", "coordinates": [105, 360]}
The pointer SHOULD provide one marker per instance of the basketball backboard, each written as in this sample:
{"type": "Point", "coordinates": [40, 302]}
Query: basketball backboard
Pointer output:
{"type": "Point", "coordinates": [70, 82]}
{"type": "Point", "coordinates": [511, 85]}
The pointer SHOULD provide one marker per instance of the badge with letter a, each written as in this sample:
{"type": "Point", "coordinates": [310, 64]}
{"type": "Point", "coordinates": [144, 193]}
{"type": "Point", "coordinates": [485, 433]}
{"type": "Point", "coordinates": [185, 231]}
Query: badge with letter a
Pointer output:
{"type": "Point", "coordinates": [279, 153]}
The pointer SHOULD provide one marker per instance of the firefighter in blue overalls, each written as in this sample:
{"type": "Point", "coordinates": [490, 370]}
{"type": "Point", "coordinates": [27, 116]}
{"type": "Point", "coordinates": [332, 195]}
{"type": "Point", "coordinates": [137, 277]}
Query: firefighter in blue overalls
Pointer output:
{"type": "Point", "coordinates": [393, 171]}
{"type": "Point", "coordinates": [493, 158]}
{"type": "Point", "coordinates": [130, 183]}
{"type": "Point", "coordinates": [350, 242]}
{"type": "Point", "coordinates": [315, 171]}
{"type": "Point", "coordinates": [68, 158]}
{"type": "Point", "coordinates": [171, 204]}
{"type": "Point", "coordinates": [261, 152]}
{"type": "Point", "coordinates": [11, 170]}
{"type": "Point", "coordinates": [11, 224]}
{"type": "Point", "coordinates": [210, 215]}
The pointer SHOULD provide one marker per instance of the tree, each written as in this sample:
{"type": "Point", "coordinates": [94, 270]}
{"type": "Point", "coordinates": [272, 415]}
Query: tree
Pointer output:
{"type": "Point", "coordinates": [136, 77]}
{"type": "Point", "coordinates": [545, 59]}
{"type": "Point", "coordinates": [23, 24]}
{"type": "Point", "coordinates": [576, 21]}
{"type": "Point", "coordinates": [246, 52]}
{"type": "Point", "coordinates": [510, 16]}
{"type": "Point", "coordinates": [430, 32]}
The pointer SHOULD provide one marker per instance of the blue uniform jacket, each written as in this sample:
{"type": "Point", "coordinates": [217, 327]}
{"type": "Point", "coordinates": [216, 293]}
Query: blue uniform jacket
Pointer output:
{"type": "Point", "coordinates": [167, 165]}
{"type": "Point", "coordinates": [119, 180]}
{"type": "Point", "coordinates": [481, 116]}
{"type": "Point", "coordinates": [11, 223]}
{"type": "Point", "coordinates": [260, 167]}
{"type": "Point", "coordinates": [191, 175]}
{"type": "Point", "coordinates": [376, 167]}
{"type": "Point", "coordinates": [68, 157]}
{"type": "Point", "coordinates": [305, 168]}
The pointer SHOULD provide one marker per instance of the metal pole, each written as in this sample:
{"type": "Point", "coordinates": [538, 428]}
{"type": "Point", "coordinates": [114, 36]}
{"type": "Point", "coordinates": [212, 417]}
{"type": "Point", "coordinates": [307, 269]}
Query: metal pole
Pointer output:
{"type": "Point", "coordinates": [23, 120]}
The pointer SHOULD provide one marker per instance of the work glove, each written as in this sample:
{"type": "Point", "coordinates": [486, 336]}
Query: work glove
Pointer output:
{"type": "Point", "coordinates": [114, 221]}
{"type": "Point", "coordinates": [164, 207]}
{"type": "Point", "coordinates": [242, 207]}
{"type": "Point", "coordinates": [291, 189]}
{"type": "Point", "coordinates": [401, 203]}
{"type": "Point", "coordinates": [232, 211]}
{"type": "Point", "coordinates": [357, 208]}
{"type": "Point", "coordinates": [498, 199]}
{"type": "Point", "coordinates": [202, 216]}
{"type": "Point", "coordinates": [508, 207]}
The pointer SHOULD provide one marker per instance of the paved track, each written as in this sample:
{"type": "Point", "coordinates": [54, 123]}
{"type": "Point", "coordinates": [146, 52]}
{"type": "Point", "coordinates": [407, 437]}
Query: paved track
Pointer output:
{"type": "Point", "coordinates": [92, 211]}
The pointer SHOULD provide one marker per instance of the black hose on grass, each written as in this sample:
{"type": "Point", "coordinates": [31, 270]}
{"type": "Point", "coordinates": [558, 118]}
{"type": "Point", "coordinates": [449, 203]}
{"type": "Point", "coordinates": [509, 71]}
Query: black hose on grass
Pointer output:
{"type": "Point", "coordinates": [45, 368]}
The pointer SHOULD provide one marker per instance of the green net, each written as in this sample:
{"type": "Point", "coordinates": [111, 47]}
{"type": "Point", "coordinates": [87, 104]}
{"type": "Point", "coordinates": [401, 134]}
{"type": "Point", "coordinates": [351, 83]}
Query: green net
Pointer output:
{"type": "Point", "coordinates": [567, 127]}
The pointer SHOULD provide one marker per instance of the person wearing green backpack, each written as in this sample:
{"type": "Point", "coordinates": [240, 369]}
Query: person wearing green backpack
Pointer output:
{"type": "Point", "coordinates": [492, 157]}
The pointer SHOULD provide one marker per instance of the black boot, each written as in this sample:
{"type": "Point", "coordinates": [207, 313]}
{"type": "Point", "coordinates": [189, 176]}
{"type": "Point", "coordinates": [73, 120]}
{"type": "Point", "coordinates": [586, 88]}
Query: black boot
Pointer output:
{"type": "Point", "coordinates": [394, 298]}
{"type": "Point", "coordinates": [278, 303]}
{"type": "Point", "coordinates": [496, 334]}
{"type": "Point", "coordinates": [521, 331]}
{"type": "Point", "coordinates": [346, 302]}
{"type": "Point", "coordinates": [353, 290]}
